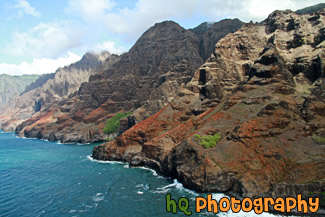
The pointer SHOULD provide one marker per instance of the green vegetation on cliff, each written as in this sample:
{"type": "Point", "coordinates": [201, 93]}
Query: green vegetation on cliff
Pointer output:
{"type": "Point", "coordinates": [208, 141]}
{"type": "Point", "coordinates": [319, 140]}
{"type": "Point", "coordinates": [113, 123]}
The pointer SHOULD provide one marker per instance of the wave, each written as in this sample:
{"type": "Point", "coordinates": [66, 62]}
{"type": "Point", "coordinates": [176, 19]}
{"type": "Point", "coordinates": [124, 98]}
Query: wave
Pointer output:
{"type": "Point", "coordinates": [104, 162]}
{"type": "Point", "coordinates": [179, 186]}
{"type": "Point", "coordinates": [81, 144]}
{"type": "Point", "coordinates": [23, 137]}
{"type": "Point", "coordinates": [1, 131]}
{"type": "Point", "coordinates": [146, 168]}
{"type": "Point", "coordinates": [98, 197]}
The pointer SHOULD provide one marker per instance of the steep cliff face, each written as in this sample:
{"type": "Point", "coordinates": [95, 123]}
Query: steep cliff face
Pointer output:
{"type": "Point", "coordinates": [47, 90]}
{"type": "Point", "coordinates": [210, 33]}
{"type": "Point", "coordinates": [145, 79]}
{"type": "Point", "coordinates": [262, 92]}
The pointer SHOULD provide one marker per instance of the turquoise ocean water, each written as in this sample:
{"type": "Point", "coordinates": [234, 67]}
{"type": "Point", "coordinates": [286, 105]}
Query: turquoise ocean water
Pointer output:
{"type": "Point", "coordinates": [40, 178]}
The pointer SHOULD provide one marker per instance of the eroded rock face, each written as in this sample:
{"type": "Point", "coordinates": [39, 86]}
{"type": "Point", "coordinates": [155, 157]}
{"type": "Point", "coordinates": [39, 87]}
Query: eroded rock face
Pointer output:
{"type": "Point", "coordinates": [263, 91]}
{"type": "Point", "coordinates": [144, 80]}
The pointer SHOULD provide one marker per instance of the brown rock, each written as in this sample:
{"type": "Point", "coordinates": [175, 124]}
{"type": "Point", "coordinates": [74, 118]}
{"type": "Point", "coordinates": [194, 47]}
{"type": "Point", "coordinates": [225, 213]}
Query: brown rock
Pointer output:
{"type": "Point", "coordinates": [248, 91]}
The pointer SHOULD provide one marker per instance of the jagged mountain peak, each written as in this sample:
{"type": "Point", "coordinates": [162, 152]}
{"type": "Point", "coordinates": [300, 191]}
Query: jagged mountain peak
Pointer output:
{"type": "Point", "coordinates": [203, 27]}
{"type": "Point", "coordinates": [144, 79]}
{"type": "Point", "coordinates": [165, 29]}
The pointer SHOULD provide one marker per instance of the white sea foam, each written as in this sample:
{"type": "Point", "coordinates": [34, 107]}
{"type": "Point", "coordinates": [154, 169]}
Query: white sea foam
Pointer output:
{"type": "Point", "coordinates": [145, 168]}
{"type": "Point", "coordinates": [218, 196]}
{"type": "Point", "coordinates": [179, 186]}
{"type": "Point", "coordinates": [23, 137]}
{"type": "Point", "coordinates": [98, 197]}
{"type": "Point", "coordinates": [102, 161]}
{"type": "Point", "coordinates": [139, 192]}
{"type": "Point", "coordinates": [167, 186]}
{"type": "Point", "coordinates": [161, 192]}
{"type": "Point", "coordinates": [126, 165]}
{"type": "Point", "coordinates": [81, 144]}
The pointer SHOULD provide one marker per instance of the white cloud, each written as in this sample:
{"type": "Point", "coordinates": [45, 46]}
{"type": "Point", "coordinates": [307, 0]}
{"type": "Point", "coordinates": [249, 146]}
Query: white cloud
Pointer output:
{"type": "Point", "coordinates": [48, 40]}
{"type": "Point", "coordinates": [109, 46]}
{"type": "Point", "coordinates": [131, 22]}
{"type": "Point", "coordinates": [25, 8]}
{"type": "Point", "coordinates": [38, 66]}
{"type": "Point", "coordinates": [255, 10]}
{"type": "Point", "coordinates": [92, 11]}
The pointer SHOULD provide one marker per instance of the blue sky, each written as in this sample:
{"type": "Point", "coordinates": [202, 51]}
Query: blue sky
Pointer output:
{"type": "Point", "coordinates": [38, 36]}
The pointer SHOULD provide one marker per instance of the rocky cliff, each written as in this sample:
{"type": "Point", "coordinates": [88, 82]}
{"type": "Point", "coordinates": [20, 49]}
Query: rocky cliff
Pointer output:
{"type": "Point", "coordinates": [49, 89]}
{"type": "Point", "coordinates": [143, 80]}
{"type": "Point", "coordinates": [251, 120]}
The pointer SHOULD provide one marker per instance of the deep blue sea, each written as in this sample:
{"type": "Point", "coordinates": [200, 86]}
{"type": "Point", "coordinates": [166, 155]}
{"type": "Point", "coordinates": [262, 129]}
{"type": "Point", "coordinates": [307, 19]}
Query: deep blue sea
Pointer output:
{"type": "Point", "coordinates": [40, 178]}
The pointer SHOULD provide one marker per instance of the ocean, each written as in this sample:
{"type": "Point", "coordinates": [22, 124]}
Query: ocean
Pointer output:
{"type": "Point", "coordinates": [41, 178]}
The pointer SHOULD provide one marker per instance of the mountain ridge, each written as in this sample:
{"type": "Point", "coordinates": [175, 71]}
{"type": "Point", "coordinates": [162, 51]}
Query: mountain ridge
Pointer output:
{"type": "Point", "coordinates": [262, 91]}
{"type": "Point", "coordinates": [13, 85]}
{"type": "Point", "coordinates": [48, 89]}
{"type": "Point", "coordinates": [143, 79]}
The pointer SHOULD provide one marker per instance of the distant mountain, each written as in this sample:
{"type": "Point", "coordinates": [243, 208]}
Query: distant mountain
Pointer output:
{"type": "Point", "coordinates": [51, 88]}
{"type": "Point", "coordinates": [311, 9]}
{"type": "Point", "coordinates": [11, 86]}
{"type": "Point", "coordinates": [143, 80]}
{"type": "Point", "coordinates": [39, 82]}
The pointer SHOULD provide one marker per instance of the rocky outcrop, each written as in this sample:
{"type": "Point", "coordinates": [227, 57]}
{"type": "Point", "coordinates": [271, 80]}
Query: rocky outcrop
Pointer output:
{"type": "Point", "coordinates": [262, 91]}
{"type": "Point", "coordinates": [48, 90]}
{"type": "Point", "coordinates": [143, 80]}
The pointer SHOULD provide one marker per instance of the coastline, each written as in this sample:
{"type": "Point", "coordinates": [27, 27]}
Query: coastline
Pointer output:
{"type": "Point", "coordinates": [178, 183]}
{"type": "Point", "coordinates": [216, 194]}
